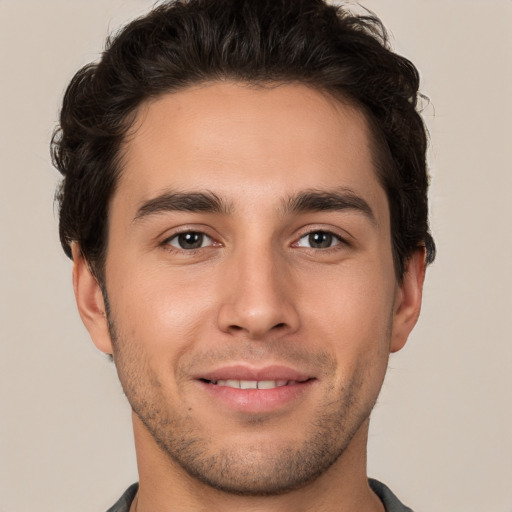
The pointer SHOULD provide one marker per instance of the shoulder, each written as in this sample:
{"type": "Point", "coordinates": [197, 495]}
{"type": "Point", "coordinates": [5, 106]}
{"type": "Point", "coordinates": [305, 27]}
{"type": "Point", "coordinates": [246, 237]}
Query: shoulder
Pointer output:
{"type": "Point", "coordinates": [124, 502]}
{"type": "Point", "coordinates": [390, 501]}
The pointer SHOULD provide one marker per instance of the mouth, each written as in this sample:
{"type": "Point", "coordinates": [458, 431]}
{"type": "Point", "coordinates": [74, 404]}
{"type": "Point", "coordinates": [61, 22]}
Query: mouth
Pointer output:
{"type": "Point", "coordinates": [254, 384]}
{"type": "Point", "coordinates": [249, 390]}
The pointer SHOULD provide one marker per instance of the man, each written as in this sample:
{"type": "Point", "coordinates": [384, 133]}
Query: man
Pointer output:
{"type": "Point", "coordinates": [244, 201]}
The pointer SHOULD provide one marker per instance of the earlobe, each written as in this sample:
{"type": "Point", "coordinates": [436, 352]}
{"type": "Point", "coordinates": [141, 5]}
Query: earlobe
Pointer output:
{"type": "Point", "coordinates": [90, 303]}
{"type": "Point", "coordinates": [408, 300]}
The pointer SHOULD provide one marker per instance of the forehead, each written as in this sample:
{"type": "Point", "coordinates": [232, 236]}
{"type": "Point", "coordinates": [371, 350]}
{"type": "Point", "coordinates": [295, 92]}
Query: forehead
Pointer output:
{"type": "Point", "coordinates": [244, 141]}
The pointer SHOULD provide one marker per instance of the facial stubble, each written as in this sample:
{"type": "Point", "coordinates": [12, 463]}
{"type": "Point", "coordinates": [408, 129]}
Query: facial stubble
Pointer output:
{"type": "Point", "coordinates": [256, 468]}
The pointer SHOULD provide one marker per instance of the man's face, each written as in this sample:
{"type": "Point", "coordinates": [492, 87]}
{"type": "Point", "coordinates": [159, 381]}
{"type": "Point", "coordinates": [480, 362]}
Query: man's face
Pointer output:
{"type": "Point", "coordinates": [251, 285]}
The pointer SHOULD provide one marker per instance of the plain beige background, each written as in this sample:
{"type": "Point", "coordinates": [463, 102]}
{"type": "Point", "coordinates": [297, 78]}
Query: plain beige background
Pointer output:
{"type": "Point", "coordinates": [441, 435]}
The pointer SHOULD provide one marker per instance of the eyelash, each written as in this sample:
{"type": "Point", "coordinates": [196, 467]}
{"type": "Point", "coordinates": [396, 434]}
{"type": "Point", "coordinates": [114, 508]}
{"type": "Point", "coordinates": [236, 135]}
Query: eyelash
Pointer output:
{"type": "Point", "coordinates": [331, 237]}
{"type": "Point", "coordinates": [168, 241]}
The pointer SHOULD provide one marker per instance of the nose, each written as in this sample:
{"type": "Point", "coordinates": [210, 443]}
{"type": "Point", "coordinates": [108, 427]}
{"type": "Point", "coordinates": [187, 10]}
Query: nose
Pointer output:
{"type": "Point", "coordinates": [258, 297]}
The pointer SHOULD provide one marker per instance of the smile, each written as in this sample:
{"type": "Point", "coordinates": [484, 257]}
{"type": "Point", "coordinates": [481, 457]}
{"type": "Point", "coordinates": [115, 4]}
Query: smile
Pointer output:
{"type": "Point", "coordinates": [253, 384]}
{"type": "Point", "coordinates": [255, 394]}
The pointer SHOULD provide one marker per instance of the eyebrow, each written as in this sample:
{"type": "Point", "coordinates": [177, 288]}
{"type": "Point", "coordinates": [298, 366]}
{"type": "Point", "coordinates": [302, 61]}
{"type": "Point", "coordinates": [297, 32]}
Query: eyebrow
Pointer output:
{"type": "Point", "coordinates": [319, 201]}
{"type": "Point", "coordinates": [209, 202]}
{"type": "Point", "coordinates": [206, 202]}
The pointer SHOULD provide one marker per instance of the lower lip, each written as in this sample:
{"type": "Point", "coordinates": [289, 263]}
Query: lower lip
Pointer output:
{"type": "Point", "coordinates": [253, 401]}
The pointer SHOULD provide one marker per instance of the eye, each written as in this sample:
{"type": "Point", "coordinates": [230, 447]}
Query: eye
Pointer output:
{"type": "Point", "coordinates": [319, 240]}
{"type": "Point", "coordinates": [189, 240]}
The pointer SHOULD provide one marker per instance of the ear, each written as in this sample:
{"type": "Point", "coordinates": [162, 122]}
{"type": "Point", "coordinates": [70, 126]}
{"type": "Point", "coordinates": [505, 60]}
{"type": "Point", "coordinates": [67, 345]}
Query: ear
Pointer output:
{"type": "Point", "coordinates": [408, 300]}
{"type": "Point", "coordinates": [89, 300]}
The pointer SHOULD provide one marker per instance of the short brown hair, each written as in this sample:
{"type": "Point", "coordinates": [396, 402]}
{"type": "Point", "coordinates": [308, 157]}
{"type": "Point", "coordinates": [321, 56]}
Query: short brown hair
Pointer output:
{"type": "Point", "coordinates": [186, 42]}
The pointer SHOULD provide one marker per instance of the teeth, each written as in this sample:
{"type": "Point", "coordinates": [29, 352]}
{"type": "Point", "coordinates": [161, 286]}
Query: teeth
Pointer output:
{"type": "Point", "coordinates": [248, 384]}
{"type": "Point", "coordinates": [252, 384]}
{"type": "Point", "coordinates": [267, 384]}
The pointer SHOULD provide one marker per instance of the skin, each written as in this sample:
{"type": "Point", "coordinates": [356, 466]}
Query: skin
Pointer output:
{"type": "Point", "coordinates": [259, 292]}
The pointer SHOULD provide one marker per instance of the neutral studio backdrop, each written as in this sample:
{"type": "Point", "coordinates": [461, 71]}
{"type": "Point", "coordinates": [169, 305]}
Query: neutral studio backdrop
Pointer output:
{"type": "Point", "coordinates": [441, 434]}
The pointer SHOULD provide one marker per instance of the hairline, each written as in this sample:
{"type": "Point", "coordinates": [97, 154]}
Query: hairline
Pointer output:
{"type": "Point", "coordinates": [379, 150]}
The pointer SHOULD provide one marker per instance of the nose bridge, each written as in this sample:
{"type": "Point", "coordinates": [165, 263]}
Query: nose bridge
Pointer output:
{"type": "Point", "coordinates": [258, 297]}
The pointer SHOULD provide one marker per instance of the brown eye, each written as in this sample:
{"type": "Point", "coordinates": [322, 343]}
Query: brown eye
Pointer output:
{"type": "Point", "coordinates": [190, 240]}
{"type": "Point", "coordinates": [319, 240]}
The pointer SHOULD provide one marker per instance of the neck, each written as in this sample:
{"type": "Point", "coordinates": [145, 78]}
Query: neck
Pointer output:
{"type": "Point", "coordinates": [164, 486]}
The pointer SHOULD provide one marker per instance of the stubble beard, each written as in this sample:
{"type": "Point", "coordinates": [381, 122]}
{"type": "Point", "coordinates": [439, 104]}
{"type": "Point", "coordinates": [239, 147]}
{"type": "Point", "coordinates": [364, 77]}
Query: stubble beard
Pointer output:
{"type": "Point", "coordinates": [251, 470]}
{"type": "Point", "coordinates": [254, 469]}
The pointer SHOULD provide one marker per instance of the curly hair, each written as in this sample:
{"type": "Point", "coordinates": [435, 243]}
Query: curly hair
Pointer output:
{"type": "Point", "coordinates": [186, 42]}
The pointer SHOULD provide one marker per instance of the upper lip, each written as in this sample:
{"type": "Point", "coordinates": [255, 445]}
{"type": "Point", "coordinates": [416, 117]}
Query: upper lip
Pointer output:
{"type": "Point", "coordinates": [243, 372]}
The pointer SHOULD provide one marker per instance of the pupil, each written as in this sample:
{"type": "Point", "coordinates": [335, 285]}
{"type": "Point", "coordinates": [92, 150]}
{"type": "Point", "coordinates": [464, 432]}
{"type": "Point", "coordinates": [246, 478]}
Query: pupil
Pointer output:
{"type": "Point", "coordinates": [320, 240]}
{"type": "Point", "coordinates": [190, 240]}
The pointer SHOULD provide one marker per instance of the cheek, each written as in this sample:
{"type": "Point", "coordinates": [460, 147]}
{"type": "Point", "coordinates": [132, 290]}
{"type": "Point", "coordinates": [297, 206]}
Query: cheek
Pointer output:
{"type": "Point", "coordinates": [354, 313]}
{"type": "Point", "coordinates": [157, 325]}
{"type": "Point", "coordinates": [163, 310]}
